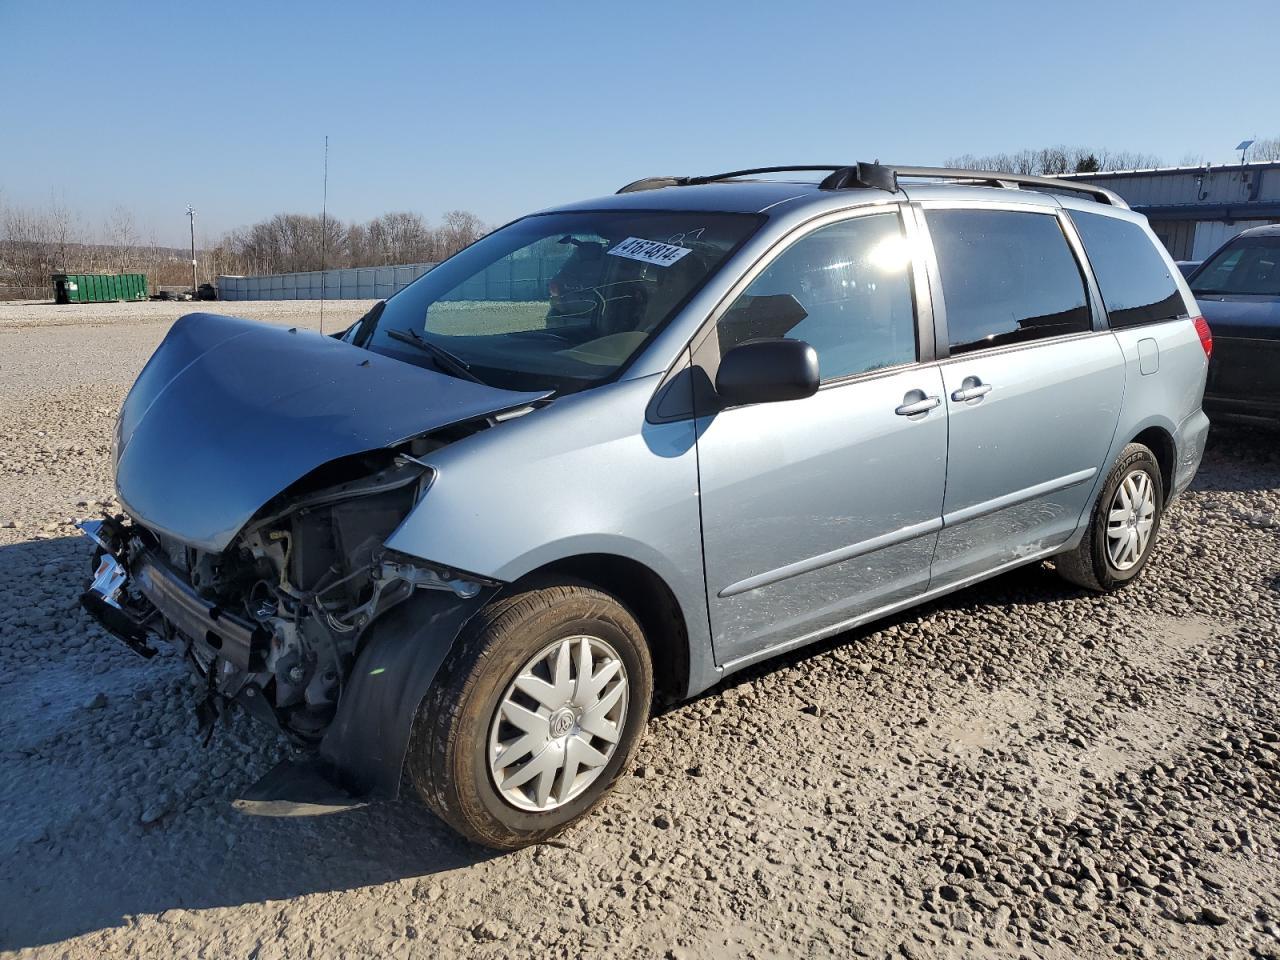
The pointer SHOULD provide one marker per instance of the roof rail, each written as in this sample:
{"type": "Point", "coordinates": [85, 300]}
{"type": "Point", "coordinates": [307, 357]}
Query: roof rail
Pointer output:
{"type": "Point", "coordinates": [885, 177]}
{"type": "Point", "coordinates": [1011, 180]}
{"type": "Point", "coordinates": [653, 183]}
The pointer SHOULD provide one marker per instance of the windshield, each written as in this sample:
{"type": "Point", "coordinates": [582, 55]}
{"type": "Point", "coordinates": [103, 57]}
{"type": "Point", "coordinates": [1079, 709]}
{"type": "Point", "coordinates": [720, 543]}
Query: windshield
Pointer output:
{"type": "Point", "coordinates": [1250, 265]}
{"type": "Point", "coordinates": [555, 301]}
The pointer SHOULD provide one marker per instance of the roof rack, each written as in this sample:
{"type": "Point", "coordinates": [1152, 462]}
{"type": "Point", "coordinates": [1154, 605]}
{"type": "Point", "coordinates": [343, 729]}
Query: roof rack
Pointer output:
{"type": "Point", "coordinates": [654, 183]}
{"type": "Point", "coordinates": [1012, 181]}
{"type": "Point", "coordinates": [885, 177]}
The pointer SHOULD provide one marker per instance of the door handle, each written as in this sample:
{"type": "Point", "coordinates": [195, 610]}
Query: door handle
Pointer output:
{"type": "Point", "coordinates": [916, 402]}
{"type": "Point", "coordinates": [971, 389]}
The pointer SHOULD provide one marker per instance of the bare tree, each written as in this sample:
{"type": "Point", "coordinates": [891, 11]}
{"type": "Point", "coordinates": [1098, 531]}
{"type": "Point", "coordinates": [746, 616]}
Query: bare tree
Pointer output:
{"type": "Point", "coordinates": [122, 237]}
{"type": "Point", "coordinates": [1128, 160]}
{"type": "Point", "coordinates": [460, 229]}
{"type": "Point", "coordinates": [1268, 149]}
{"type": "Point", "coordinates": [397, 237]}
{"type": "Point", "coordinates": [63, 233]}
{"type": "Point", "coordinates": [35, 243]}
{"type": "Point", "coordinates": [292, 242]}
{"type": "Point", "coordinates": [289, 242]}
{"type": "Point", "coordinates": [33, 247]}
{"type": "Point", "coordinates": [1051, 161]}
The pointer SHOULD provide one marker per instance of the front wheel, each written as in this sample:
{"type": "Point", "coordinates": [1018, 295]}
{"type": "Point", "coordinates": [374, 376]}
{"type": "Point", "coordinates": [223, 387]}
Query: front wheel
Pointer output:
{"type": "Point", "coordinates": [534, 714]}
{"type": "Point", "coordinates": [1123, 527]}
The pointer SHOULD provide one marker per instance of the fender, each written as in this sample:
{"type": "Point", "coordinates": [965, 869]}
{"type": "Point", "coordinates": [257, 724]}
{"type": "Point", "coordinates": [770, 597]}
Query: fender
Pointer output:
{"type": "Point", "coordinates": [587, 474]}
{"type": "Point", "coordinates": [365, 746]}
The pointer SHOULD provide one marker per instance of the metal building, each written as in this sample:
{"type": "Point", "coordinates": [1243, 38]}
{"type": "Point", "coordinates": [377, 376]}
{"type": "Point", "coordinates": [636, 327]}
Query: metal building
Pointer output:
{"type": "Point", "coordinates": [1194, 210]}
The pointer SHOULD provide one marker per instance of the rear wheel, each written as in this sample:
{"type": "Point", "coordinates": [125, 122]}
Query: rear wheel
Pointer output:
{"type": "Point", "coordinates": [1123, 527]}
{"type": "Point", "coordinates": [535, 713]}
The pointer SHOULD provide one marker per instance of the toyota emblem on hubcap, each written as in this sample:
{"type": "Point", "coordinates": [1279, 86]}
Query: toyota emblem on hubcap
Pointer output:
{"type": "Point", "coordinates": [561, 722]}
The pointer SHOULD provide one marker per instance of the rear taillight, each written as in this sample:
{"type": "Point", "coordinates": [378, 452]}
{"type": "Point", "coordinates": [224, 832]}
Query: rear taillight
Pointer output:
{"type": "Point", "coordinates": [1206, 335]}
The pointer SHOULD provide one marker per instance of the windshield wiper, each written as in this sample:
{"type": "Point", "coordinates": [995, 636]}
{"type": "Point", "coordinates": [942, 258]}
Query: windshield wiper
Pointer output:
{"type": "Point", "coordinates": [443, 358]}
{"type": "Point", "coordinates": [364, 326]}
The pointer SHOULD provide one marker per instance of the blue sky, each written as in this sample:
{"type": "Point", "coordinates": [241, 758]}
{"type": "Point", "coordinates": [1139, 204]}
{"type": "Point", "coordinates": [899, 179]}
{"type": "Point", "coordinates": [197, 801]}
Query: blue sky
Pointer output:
{"type": "Point", "coordinates": [500, 108]}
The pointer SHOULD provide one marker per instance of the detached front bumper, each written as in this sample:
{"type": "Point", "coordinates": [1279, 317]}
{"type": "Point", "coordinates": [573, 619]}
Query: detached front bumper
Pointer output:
{"type": "Point", "coordinates": [137, 594]}
{"type": "Point", "coordinates": [134, 592]}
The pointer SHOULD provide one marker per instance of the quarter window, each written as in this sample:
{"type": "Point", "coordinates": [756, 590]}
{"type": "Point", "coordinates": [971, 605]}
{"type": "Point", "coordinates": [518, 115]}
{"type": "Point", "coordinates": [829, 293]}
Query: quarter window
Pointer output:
{"type": "Point", "coordinates": [845, 289]}
{"type": "Point", "coordinates": [1136, 284]}
{"type": "Point", "coordinates": [1006, 277]}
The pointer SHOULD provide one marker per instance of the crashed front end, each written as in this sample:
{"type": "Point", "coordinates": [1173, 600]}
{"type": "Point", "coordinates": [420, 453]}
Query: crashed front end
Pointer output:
{"type": "Point", "coordinates": [273, 622]}
{"type": "Point", "coordinates": [262, 471]}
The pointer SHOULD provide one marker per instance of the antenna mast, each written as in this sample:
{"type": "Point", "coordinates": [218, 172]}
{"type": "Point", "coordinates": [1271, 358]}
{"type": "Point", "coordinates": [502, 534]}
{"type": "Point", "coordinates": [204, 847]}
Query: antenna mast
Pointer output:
{"type": "Point", "coordinates": [324, 230]}
{"type": "Point", "coordinates": [191, 215]}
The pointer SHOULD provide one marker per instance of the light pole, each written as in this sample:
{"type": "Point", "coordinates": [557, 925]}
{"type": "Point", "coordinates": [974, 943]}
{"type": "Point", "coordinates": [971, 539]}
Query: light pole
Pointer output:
{"type": "Point", "coordinates": [191, 215]}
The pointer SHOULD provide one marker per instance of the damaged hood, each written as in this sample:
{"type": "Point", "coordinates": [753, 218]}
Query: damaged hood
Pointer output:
{"type": "Point", "coordinates": [228, 413]}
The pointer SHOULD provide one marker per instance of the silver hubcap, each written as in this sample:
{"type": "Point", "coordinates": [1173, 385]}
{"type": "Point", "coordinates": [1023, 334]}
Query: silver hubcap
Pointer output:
{"type": "Point", "coordinates": [1131, 519]}
{"type": "Point", "coordinates": [558, 723]}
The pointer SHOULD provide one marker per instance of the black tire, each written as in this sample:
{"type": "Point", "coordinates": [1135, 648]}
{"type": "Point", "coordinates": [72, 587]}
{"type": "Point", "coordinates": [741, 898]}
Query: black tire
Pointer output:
{"type": "Point", "coordinates": [448, 752]}
{"type": "Point", "coordinates": [1089, 565]}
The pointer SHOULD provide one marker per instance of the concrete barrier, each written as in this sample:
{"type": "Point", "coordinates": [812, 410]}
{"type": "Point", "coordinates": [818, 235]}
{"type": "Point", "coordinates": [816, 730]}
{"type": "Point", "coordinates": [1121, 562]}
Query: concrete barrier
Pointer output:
{"type": "Point", "coordinates": [349, 283]}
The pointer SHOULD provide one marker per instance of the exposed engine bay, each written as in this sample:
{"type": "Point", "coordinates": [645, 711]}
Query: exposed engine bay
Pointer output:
{"type": "Point", "coordinates": [274, 622]}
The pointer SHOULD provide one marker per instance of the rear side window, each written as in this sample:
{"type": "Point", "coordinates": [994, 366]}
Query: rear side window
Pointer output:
{"type": "Point", "coordinates": [1006, 278]}
{"type": "Point", "coordinates": [1137, 286]}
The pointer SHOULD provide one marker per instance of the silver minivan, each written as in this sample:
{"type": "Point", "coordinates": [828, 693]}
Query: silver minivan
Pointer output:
{"type": "Point", "coordinates": [615, 451]}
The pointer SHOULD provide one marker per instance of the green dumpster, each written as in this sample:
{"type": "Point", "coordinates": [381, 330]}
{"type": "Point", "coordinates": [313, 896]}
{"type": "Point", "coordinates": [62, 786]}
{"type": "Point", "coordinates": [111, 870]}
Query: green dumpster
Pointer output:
{"type": "Point", "coordinates": [98, 287]}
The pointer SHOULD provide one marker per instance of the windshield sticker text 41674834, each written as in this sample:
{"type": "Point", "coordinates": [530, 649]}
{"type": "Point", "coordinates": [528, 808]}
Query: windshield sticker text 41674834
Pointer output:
{"type": "Point", "coordinates": [648, 251]}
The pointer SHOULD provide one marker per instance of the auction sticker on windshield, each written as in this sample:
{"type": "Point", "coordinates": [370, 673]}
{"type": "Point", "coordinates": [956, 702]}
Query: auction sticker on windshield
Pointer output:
{"type": "Point", "coordinates": [649, 251]}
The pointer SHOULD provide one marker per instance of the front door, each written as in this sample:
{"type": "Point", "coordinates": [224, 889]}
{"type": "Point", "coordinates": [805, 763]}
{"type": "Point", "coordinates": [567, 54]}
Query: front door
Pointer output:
{"type": "Point", "coordinates": [1033, 390]}
{"type": "Point", "coordinates": [817, 510]}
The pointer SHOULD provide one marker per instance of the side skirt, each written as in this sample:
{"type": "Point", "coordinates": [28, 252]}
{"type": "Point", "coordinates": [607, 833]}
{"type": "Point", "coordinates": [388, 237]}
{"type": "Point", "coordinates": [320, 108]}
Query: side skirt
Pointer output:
{"type": "Point", "coordinates": [734, 665]}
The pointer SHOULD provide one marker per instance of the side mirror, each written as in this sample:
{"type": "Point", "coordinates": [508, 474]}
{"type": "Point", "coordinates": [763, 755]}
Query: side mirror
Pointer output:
{"type": "Point", "coordinates": [768, 370]}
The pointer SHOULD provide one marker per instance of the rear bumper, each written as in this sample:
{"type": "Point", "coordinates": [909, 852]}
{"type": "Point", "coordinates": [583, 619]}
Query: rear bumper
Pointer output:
{"type": "Point", "coordinates": [1244, 374]}
{"type": "Point", "coordinates": [1243, 410]}
{"type": "Point", "coordinates": [1193, 434]}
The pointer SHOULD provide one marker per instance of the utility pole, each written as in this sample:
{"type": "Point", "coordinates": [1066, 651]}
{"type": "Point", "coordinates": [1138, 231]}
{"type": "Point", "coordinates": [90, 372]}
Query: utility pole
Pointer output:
{"type": "Point", "coordinates": [191, 215]}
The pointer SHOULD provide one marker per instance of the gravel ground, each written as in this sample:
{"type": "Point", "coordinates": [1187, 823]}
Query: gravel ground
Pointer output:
{"type": "Point", "coordinates": [1018, 770]}
{"type": "Point", "coordinates": [44, 313]}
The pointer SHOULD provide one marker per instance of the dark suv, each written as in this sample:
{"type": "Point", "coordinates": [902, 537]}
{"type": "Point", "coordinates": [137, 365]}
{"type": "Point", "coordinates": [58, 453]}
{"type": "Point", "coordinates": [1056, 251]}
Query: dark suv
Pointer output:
{"type": "Point", "coordinates": [1238, 289]}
